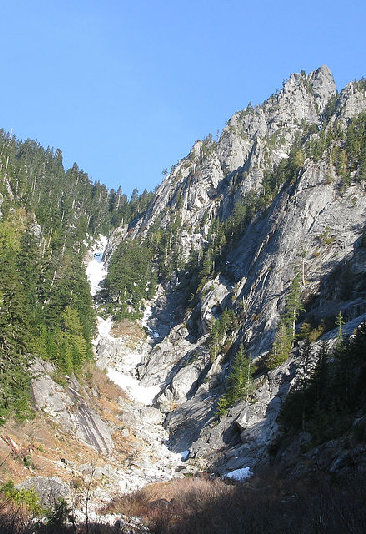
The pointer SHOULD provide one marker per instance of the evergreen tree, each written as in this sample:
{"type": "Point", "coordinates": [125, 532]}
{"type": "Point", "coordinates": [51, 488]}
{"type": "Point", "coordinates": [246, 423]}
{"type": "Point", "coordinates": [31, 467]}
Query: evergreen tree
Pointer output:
{"type": "Point", "coordinates": [285, 335]}
{"type": "Point", "coordinates": [47, 216]}
{"type": "Point", "coordinates": [326, 402]}
{"type": "Point", "coordinates": [339, 322]}
{"type": "Point", "coordinates": [240, 383]}
{"type": "Point", "coordinates": [129, 280]}
{"type": "Point", "coordinates": [14, 325]}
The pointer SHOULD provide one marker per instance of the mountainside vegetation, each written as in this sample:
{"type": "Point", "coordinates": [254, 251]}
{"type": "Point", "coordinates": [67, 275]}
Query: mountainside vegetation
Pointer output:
{"type": "Point", "coordinates": [326, 396]}
{"type": "Point", "coordinates": [340, 145]}
{"type": "Point", "coordinates": [49, 216]}
{"type": "Point", "coordinates": [250, 258]}
{"type": "Point", "coordinates": [218, 234]}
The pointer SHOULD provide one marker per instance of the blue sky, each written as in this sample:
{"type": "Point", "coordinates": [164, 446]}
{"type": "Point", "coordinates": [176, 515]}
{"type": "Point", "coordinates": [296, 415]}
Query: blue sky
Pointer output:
{"type": "Point", "coordinates": [124, 88]}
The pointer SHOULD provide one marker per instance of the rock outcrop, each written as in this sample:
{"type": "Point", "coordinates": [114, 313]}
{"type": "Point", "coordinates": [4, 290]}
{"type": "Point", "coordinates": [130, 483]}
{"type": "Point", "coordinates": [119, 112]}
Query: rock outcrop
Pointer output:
{"type": "Point", "coordinates": [71, 408]}
{"type": "Point", "coordinates": [303, 214]}
{"type": "Point", "coordinates": [313, 226]}
{"type": "Point", "coordinates": [252, 142]}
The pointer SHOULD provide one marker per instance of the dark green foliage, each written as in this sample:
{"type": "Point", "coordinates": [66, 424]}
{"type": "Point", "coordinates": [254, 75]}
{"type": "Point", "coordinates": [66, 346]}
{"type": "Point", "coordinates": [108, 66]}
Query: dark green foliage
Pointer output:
{"type": "Point", "coordinates": [329, 109]}
{"type": "Point", "coordinates": [239, 382]}
{"type": "Point", "coordinates": [27, 497]}
{"type": "Point", "coordinates": [224, 234]}
{"type": "Point", "coordinates": [46, 309]}
{"type": "Point", "coordinates": [326, 399]}
{"type": "Point", "coordinates": [220, 330]}
{"type": "Point", "coordinates": [360, 85]}
{"type": "Point", "coordinates": [233, 228]}
{"type": "Point", "coordinates": [286, 172]}
{"type": "Point", "coordinates": [125, 210]}
{"type": "Point", "coordinates": [298, 402]}
{"type": "Point", "coordinates": [58, 515]}
{"type": "Point", "coordinates": [130, 278]}
{"type": "Point", "coordinates": [339, 322]}
{"type": "Point", "coordinates": [343, 148]}
{"type": "Point", "coordinates": [138, 264]}
{"type": "Point", "coordinates": [15, 315]}
{"type": "Point", "coordinates": [285, 335]}
{"type": "Point", "coordinates": [355, 146]}
{"type": "Point", "coordinates": [165, 244]}
{"type": "Point", "coordinates": [63, 202]}
{"type": "Point", "coordinates": [221, 239]}
{"type": "Point", "coordinates": [208, 146]}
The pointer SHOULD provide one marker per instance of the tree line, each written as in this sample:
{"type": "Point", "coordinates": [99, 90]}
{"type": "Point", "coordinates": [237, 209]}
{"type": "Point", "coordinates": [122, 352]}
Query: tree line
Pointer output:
{"type": "Point", "coordinates": [49, 216]}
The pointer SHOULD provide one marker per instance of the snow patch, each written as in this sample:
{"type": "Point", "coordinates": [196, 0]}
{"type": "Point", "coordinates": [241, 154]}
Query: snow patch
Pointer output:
{"type": "Point", "coordinates": [120, 363]}
{"type": "Point", "coordinates": [96, 270]}
{"type": "Point", "coordinates": [103, 327]}
{"type": "Point", "coordinates": [280, 154]}
{"type": "Point", "coordinates": [144, 323]}
{"type": "Point", "coordinates": [239, 474]}
{"type": "Point", "coordinates": [143, 394]}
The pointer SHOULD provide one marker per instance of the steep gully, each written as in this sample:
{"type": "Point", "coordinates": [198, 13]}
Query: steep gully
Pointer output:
{"type": "Point", "coordinates": [119, 358]}
{"type": "Point", "coordinates": [314, 221]}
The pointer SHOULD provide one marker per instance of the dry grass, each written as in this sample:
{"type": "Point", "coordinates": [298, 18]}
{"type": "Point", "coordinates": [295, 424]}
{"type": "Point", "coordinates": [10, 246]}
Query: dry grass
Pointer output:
{"type": "Point", "coordinates": [128, 328]}
{"type": "Point", "coordinates": [98, 380]}
{"type": "Point", "coordinates": [14, 518]}
{"type": "Point", "coordinates": [40, 446]}
{"type": "Point", "coordinates": [107, 393]}
{"type": "Point", "coordinates": [173, 496]}
{"type": "Point", "coordinates": [35, 448]}
{"type": "Point", "coordinates": [265, 506]}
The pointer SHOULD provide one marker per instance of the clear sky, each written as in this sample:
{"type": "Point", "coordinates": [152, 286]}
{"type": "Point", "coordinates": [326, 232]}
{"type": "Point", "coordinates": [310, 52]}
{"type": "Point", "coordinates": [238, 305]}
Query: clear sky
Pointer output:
{"type": "Point", "coordinates": [125, 87]}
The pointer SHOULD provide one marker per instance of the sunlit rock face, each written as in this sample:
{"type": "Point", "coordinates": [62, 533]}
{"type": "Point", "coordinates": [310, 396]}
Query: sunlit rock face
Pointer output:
{"type": "Point", "coordinates": [314, 225]}
{"type": "Point", "coordinates": [252, 141]}
{"type": "Point", "coordinates": [169, 377]}
{"type": "Point", "coordinates": [157, 416]}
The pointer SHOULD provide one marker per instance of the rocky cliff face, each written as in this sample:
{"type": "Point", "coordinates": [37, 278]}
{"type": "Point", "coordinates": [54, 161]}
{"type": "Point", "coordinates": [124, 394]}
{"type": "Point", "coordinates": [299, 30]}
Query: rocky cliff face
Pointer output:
{"type": "Point", "coordinates": [280, 196]}
{"type": "Point", "coordinates": [314, 225]}
{"type": "Point", "coordinates": [252, 142]}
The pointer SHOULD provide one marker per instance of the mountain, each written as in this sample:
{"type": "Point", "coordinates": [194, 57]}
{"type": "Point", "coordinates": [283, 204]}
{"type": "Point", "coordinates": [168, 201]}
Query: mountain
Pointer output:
{"type": "Point", "coordinates": [256, 239]}
{"type": "Point", "coordinates": [231, 309]}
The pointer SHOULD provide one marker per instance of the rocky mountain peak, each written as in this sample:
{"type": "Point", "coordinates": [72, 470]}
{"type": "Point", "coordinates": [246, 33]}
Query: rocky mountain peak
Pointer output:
{"type": "Point", "coordinates": [277, 199]}
{"type": "Point", "coordinates": [231, 307]}
{"type": "Point", "coordinates": [323, 85]}
{"type": "Point", "coordinates": [253, 141]}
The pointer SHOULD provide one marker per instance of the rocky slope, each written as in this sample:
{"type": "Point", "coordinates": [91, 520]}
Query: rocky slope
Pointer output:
{"type": "Point", "coordinates": [253, 141]}
{"type": "Point", "coordinates": [94, 435]}
{"type": "Point", "coordinates": [279, 195]}
{"type": "Point", "coordinates": [314, 225]}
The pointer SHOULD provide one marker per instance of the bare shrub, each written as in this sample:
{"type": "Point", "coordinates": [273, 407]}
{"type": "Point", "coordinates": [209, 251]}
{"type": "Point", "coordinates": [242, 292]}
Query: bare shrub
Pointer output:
{"type": "Point", "coordinates": [266, 505]}
{"type": "Point", "coordinates": [14, 518]}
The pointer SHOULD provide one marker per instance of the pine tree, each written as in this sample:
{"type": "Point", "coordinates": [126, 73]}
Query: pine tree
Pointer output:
{"type": "Point", "coordinates": [320, 375]}
{"type": "Point", "coordinates": [293, 306]}
{"type": "Point", "coordinates": [285, 335]}
{"type": "Point", "coordinates": [47, 216]}
{"type": "Point", "coordinates": [240, 383]}
{"type": "Point", "coordinates": [14, 325]}
{"type": "Point", "coordinates": [339, 322]}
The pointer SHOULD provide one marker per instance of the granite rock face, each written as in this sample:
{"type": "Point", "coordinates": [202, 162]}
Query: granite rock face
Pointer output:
{"type": "Point", "coordinates": [71, 408]}
{"type": "Point", "coordinates": [315, 226]}
{"type": "Point", "coordinates": [253, 141]}
{"type": "Point", "coordinates": [49, 489]}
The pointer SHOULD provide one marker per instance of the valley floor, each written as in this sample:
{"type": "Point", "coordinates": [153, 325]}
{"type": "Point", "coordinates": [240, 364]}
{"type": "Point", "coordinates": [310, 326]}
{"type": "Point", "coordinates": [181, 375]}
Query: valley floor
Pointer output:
{"type": "Point", "coordinates": [269, 504]}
